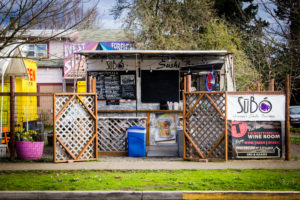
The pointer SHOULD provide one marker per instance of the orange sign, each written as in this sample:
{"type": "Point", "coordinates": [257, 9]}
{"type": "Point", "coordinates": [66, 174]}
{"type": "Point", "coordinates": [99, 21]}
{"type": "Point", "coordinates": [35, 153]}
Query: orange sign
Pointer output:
{"type": "Point", "coordinates": [32, 76]}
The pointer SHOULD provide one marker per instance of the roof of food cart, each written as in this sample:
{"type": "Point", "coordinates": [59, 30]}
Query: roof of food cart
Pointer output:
{"type": "Point", "coordinates": [95, 53]}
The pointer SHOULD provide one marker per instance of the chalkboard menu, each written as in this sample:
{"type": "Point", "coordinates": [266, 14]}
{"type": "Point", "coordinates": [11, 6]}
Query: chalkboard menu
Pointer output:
{"type": "Point", "coordinates": [160, 85]}
{"type": "Point", "coordinates": [115, 84]}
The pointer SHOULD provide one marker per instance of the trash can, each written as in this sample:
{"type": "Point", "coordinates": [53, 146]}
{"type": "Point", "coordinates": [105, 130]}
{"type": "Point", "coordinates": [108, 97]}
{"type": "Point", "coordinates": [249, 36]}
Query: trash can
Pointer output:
{"type": "Point", "coordinates": [180, 141]}
{"type": "Point", "coordinates": [136, 141]}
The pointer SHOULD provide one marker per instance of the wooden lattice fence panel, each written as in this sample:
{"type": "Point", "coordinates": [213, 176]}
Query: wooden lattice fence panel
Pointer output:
{"type": "Point", "coordinates": [204, 125]}
{"type": "Point", "coordinates": [112, 133]}
{"type": "Point", "coordinates": [75, 127]}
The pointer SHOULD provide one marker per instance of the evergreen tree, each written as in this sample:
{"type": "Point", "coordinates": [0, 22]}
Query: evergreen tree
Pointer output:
{"type": "Point", "coordinates": [235, 11]}
{"type": "Point", "coordinates": [289, 12]}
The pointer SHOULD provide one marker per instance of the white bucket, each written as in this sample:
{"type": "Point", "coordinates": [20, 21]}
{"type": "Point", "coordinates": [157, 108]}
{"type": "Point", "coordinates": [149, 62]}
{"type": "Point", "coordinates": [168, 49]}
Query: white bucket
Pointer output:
{"type": "Point", "coordinates": [2, 150]}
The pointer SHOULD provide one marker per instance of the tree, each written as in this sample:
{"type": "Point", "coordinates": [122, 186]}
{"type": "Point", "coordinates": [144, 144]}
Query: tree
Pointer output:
{"type": "Point", "coordinates": [236, 12]}
{"type": "Point", "coordinates": [282, 39]}
{"type": "Point", "coordinates": [19, 16]}
{"type": "Point", "coordinates": [289, 11]}
{"type": "Point", "coordinates": [185, 24]}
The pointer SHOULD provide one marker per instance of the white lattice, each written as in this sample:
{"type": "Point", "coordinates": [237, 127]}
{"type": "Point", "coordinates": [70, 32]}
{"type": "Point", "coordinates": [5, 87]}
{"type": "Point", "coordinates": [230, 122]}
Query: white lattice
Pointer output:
{"type": "Point", "coordinates": [60, 101]}
{"type": "Point", "coordinates": [74, 127]}
{"type": "Point", "coordinates": [112, 133]}
{"type": "Point", "coordinates": [89, 101]}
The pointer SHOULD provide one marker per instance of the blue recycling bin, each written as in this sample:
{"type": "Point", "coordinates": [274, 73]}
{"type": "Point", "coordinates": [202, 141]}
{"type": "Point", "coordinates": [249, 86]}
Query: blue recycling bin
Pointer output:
{"type": "Point", "coordinates": [136, 141]}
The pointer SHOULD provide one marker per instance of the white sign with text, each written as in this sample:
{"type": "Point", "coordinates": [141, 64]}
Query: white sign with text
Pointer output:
{"type": "Point", "coordinates": [256, 107]}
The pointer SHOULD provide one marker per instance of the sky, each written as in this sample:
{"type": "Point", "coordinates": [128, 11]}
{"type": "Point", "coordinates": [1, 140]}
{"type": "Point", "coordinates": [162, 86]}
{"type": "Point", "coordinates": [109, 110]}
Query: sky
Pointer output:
{"type": "Point", "coordinates": [107, 20]}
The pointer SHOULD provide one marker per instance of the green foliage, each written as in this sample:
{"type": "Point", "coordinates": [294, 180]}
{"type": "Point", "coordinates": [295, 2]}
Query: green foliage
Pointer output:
{"type": "Point", "coordinates": [29, 136]}
{"type": "Point", "coordinates": [284, 35]}
{"type": "Point", "coordinates": [295, 130]}
{"type": "Point", "coordinates": [139, 180]}
{"type": "Point", "coordinates": [241, 13]}
{"type": "Point", "coordinates": [295, 140]}
{"type": "Point", "coordinates": [186, 25]}
{"type": "Point", "coordinates": [217, 36]}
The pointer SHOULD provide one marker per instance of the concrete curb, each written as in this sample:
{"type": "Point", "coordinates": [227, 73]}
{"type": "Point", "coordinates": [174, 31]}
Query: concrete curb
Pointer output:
{"type": "Point", "coordinates": [147, 195]}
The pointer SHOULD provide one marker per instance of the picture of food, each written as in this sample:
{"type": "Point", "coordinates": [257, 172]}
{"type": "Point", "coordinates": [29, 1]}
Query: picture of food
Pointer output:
{"type": "Point", "coordinates": [164, 128]}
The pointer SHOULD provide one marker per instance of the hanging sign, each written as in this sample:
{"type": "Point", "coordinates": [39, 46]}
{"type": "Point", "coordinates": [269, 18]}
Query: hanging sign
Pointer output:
{"type": "Point", "coordinates": [256, 107]}
{"type": "Point", "coordinates": [210, 81]}
{"type": "Point", "coordinates": [256, 139]}
{"type": "Point", "coordinates": [75, 65]}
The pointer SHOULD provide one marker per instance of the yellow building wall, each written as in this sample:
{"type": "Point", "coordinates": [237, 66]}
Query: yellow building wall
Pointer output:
{"type": "Point", "coordinates": [6, 107]}
{"type": "Point", "coordinates": [21, 102]}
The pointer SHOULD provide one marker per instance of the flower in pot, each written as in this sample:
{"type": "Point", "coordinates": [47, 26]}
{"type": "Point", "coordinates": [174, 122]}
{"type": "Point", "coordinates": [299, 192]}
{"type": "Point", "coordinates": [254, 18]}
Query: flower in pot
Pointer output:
{"type": "Point", "coordinates": [28, 145]}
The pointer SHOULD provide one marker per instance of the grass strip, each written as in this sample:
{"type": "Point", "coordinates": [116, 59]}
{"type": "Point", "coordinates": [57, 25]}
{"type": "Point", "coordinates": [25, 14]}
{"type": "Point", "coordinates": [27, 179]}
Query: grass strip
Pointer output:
{"type": "Point", "coordinates": [295, 131]}
{"type": "Point", "coordinates": [163, 180]}
{"type": "Point", "coordinates": [295, 140]}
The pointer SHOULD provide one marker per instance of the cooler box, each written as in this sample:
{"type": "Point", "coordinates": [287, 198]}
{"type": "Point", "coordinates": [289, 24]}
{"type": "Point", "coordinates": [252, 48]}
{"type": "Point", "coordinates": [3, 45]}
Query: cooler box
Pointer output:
{"type": "Point", "coordinates": [136, 141]}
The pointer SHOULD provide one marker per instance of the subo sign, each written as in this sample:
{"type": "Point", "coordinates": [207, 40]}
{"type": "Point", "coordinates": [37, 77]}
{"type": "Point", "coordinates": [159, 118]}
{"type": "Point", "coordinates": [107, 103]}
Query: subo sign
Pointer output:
{"type": "Point", "coordinates": [256, 107]}
{"type": "Point", "coordinates": [256, 139]}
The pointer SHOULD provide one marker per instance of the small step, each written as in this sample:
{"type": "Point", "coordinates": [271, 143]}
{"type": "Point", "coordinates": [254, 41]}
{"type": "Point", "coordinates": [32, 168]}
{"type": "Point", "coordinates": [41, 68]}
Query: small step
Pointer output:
{"type": "Point", "coordinates": [162, 150]}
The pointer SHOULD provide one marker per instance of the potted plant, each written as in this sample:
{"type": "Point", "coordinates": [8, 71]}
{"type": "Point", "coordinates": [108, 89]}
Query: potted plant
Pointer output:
{"type": "Point", "coordinates": [28, 145]}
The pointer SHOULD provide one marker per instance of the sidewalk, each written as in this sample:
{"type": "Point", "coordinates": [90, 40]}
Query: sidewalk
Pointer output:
{"type": "Point", "coordinates": [121, 163]}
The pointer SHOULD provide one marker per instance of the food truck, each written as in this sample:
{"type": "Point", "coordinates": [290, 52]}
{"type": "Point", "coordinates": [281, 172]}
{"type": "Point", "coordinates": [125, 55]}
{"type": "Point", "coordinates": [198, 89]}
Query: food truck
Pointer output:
{"type": "Point", "coordinates": [144, 87]}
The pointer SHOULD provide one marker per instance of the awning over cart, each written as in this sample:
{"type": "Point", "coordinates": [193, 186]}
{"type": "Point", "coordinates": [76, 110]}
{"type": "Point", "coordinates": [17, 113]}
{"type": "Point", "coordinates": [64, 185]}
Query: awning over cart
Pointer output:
{"type": "Point", "coordinates": [12, 63]}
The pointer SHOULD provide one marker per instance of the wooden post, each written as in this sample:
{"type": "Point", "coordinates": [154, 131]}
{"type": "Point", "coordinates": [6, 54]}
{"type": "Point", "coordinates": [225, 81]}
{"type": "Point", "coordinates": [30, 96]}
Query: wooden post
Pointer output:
{"type": "Point", "coordinates": [12, 119]}
{"type": "Point", "coordinates": [148, 129]}
{"type": "Point", "coordinates": [271, 85]}
{"type": "Point", "coordinates": [88, 84]}
{"type": "Point", "coordinates": [184, 84]}
{"type": "Point", "coordinates": [184, 118]}
{"type": "Point", "coordinates": [287, 118]}
{"type": "Point", "coordinates": [258, 87]}
{"type": "Point", "coordinates": [226, 134]}
{"type": "Point", "coordinates": [96, 124]}
{"type": "Point", "coordinates": [94, 85]}
{"type": "Point", "coordinates": [189, 83]}
{"type": "Point", "coordinates": [54, 130]}
{"type": "Point", "coordinates": [92, 82]}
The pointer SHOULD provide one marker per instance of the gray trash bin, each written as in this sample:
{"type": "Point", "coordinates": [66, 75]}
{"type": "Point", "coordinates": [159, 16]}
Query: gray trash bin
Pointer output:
{"type": "Point", "coordinates": [180, 141]}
